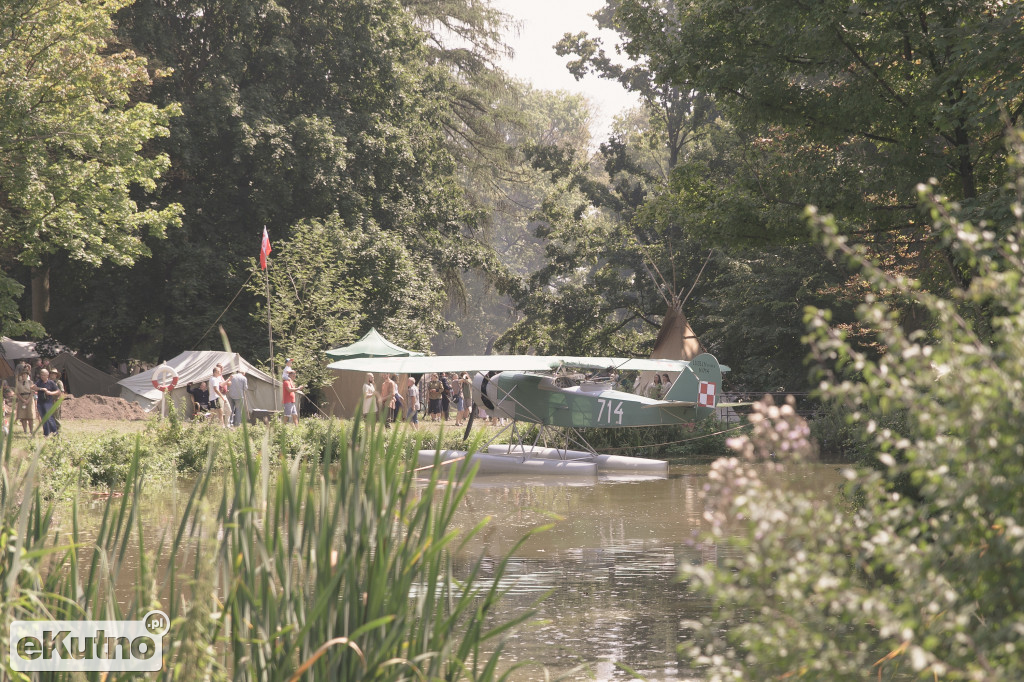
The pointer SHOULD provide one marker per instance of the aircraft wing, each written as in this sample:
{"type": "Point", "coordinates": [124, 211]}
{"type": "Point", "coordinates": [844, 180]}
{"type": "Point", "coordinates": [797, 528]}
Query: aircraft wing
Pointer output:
{"type": "Point", "coordinates": [501, 363]}
{"type": "Point", "coordinates": [638, 364]}
{"type": "Point", "coordinates": [447, 363]}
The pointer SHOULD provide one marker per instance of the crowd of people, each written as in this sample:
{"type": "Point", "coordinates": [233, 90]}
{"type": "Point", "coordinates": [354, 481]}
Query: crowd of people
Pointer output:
{"type": "Point", "coordinates": [33, 396]}
{"type": "Point", "coordinates": [221, 397]}
{"type": "Point", "coordinates": [444, 396]}
{"type": "Point", "coordinates": [445, 392]}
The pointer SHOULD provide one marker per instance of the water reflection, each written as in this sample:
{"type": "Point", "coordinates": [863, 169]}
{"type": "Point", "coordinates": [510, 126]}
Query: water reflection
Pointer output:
{"type": "Point", "coordinates": [608, 568]}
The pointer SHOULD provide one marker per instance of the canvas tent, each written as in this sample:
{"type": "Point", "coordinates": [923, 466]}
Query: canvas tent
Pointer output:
{"type": "Point", "coordinates": [14, 352]}
{"type": "Point", "coordinates": [677, 341]}
{"type": "Point", "coordinates": [372, 345]}
{"type": "Point", "coordinates": [18, 350]}
{"type": "Point", "coordinates": [195, 366]}
{"type": "Point", "coordinates": [83, 378]}
{"type": "Point", "coordinates": [345, 393]}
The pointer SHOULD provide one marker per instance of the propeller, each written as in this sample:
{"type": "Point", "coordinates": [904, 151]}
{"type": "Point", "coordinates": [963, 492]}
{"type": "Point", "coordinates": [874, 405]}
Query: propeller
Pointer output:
{"type": "Point", "coordinates": [469, 423]}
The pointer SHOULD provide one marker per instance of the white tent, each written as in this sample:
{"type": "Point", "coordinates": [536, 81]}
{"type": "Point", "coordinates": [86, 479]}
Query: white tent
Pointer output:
{"type": "Point", "coordinates": [195, 366]}
{"type": "Point", "coordinates": [18, 350]}
{"type": "Point", "coordinates": [13, 353]}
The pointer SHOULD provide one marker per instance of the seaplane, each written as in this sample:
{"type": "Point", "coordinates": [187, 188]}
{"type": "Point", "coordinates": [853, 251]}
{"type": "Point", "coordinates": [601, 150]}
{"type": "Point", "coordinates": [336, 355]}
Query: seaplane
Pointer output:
{"type": "Point", "coordinates": [564, 393]}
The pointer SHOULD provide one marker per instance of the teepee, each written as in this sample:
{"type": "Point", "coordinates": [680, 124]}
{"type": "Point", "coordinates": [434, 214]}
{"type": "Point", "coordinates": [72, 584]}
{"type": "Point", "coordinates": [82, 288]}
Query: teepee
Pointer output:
{"type": "Point", "coordinates": [676, 339]}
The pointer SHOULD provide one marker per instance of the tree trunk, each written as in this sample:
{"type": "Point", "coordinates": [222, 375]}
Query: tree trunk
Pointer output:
{"type": "Point", "coordinates": [40, 293]}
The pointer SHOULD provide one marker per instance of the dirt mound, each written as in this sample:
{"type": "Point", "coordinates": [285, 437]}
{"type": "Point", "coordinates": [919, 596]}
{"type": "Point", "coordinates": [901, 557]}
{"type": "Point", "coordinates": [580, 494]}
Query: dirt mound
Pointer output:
{"type": "Point", "coordinates": [101, 407]}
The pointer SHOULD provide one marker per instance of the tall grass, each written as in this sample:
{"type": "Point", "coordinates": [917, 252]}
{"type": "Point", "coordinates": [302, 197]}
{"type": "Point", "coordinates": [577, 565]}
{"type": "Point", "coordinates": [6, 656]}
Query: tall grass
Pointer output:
{"type": "Point", "coordinates": [337, 568]}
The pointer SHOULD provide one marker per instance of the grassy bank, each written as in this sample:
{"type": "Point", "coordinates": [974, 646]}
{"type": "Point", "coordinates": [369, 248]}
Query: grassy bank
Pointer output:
{"type": "Point", "coordinates": [98, 453]}
{"type": "Point", "coordinates": [279, 566]}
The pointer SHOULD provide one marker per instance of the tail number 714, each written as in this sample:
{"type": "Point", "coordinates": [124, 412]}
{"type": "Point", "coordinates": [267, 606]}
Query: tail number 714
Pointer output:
{"type": "Point", "coordinates": [606, 410]}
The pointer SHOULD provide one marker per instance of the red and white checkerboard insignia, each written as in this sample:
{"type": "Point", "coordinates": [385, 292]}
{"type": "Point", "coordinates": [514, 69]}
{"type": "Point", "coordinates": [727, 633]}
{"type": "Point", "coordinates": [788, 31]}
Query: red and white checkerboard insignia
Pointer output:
{"type": "Point", "coordinates": [706, 394]}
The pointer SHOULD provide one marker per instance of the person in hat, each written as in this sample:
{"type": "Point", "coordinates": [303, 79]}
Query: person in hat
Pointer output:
{"type": "Point", "coordinates": [288, 369]}
{"type": "Point", "coordinates": [288, 391]}
{"type": "Point", "coordinates": [25, 395]}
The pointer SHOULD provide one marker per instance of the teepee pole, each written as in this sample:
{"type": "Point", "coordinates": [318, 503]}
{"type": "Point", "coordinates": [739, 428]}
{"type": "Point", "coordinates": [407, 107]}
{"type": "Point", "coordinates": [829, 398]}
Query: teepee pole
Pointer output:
{"type": "Point", "coordinates": [695, 280]}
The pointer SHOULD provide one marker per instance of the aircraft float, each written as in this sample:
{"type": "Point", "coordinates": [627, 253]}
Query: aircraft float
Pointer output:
{"type": "Point", "coordinates": [557, 391]}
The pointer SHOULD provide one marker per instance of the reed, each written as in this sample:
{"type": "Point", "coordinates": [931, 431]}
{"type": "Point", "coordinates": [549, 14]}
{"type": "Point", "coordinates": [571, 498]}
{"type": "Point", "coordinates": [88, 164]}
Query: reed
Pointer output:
{"type": "Point", "coordinates": [332, 568]}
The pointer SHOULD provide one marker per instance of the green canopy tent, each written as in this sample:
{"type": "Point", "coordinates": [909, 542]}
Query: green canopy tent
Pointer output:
{"type": "Point", "coordinates": [345, 394]}
{"type": "Point", "coordinates": [372, 345]}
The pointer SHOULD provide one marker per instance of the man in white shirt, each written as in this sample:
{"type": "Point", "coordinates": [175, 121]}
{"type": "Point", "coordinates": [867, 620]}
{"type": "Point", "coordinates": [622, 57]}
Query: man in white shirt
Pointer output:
{"type": "Point", "coordinates": [218, 401]}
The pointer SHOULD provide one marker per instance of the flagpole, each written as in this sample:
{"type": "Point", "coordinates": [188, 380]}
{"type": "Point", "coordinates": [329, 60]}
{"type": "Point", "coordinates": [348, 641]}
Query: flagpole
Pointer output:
{"type": "Point", "coordinates": [270, 330]}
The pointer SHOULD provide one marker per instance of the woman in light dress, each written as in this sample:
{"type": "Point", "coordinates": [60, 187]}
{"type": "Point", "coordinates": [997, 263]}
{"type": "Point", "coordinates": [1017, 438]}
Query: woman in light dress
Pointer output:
{"type": "Point", "coordinates": [369, 396]}
{"type": "Point", "coordinates": [25, 396]}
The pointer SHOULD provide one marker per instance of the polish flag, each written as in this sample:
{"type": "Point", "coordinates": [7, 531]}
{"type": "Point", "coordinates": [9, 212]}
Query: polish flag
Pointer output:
{"type": "Point", "coordinates": [264, 250]}
{"type": "Point", "coordinates": [706, 394]}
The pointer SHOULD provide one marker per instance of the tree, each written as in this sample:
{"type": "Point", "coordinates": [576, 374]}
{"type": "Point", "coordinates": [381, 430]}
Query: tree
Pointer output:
{"type": "Point", "coordinates": [294, 111]}
{"type": "Point", "coordinates": [74, 157]}
{"type": "Point", "coordinates": [11, 323]}
{"type": "Point", "coordinates": [331, 281]}
{"type": "Point", "coordinates": [848, 107]}
{"type": "Point", "coordinates": [674, 110]}
{"type": "Point", "coordinates": [465, 38]}
{"type": "Point", "coordinates": [511, 190]}
{"type": "Point", "coordinates": [747, 304]}
{"type": "Point", "coordinates": [845, 107]}
{"type": "Point", "coordinates": [881, 581]}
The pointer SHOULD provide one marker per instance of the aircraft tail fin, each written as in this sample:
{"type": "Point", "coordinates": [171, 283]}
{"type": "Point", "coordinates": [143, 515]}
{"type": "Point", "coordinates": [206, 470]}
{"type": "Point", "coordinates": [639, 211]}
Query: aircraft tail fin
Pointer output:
{"type": "Point", "coordinates": [700, 383]}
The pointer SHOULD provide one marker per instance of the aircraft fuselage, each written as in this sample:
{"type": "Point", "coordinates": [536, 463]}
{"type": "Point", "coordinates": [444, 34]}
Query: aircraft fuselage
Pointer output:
{"type": "Point", "coordinates": [534, 398]}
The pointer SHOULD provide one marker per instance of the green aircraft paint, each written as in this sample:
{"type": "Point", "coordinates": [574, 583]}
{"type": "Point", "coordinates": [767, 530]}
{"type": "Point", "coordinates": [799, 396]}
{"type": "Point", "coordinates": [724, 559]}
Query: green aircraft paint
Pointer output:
{"type": "Point", "coordinates": [535, 398]}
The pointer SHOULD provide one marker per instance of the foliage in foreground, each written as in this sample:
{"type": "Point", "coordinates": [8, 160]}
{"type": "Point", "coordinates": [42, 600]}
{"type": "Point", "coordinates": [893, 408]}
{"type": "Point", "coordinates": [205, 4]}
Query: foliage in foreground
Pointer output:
{"type": "Point", "coordinates": [341, 571]}
{"type": "Point", "coordinates": [919, 570]}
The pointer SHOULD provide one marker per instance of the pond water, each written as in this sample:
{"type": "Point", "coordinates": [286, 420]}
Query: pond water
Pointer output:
{"type": "Point", "coordinates": [602, 580]}
{"type": "Point", "coordinates": [608, 569]}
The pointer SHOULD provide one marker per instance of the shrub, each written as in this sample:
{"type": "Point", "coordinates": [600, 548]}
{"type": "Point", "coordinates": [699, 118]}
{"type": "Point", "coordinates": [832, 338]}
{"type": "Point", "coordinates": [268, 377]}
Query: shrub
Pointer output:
{"type": "Point", "coordinates": [919, 569]}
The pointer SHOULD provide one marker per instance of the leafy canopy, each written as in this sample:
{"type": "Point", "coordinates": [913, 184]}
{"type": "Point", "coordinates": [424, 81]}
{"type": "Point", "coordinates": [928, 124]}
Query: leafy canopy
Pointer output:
{"type": "Point", "coordinates": [72, 138]}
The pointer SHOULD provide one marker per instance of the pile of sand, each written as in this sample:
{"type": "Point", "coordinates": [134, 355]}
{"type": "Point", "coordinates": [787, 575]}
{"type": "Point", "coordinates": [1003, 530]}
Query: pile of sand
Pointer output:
{"type": "Point", "coordinates": [101, 407]}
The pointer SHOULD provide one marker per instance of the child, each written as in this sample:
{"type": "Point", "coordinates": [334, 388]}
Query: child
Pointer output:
{"type": "Point", "coordinates": [8, 412]}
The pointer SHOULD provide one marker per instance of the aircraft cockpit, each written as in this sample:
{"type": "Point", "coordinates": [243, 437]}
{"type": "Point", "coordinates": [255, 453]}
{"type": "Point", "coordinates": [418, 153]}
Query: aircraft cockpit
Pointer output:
{"type": "Point", "coordinates": [568, 379]}
{"type": "Point", "coordinates": [593, 382]}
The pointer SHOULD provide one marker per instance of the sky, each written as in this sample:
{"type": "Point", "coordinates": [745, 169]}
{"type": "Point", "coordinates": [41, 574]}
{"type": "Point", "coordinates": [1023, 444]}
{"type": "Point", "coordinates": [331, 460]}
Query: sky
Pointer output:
{"type": "Point", "coordinates": [543, 23]}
